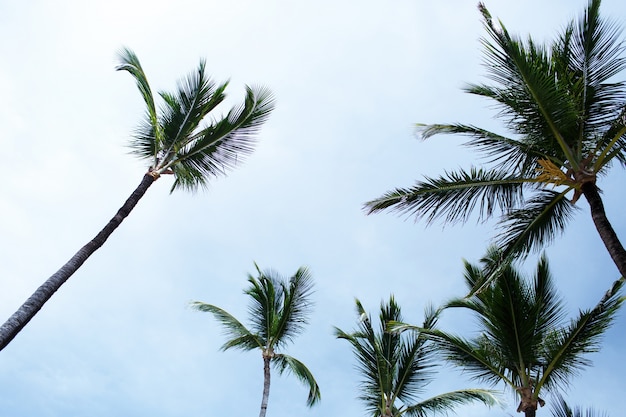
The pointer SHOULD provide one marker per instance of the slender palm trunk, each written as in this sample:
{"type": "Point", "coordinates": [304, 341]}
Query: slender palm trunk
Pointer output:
{"type": "Point", "coordinates": [266, 384]}
{"type": "Point", "coordinates": [607, 234]}
{"type": "Point", "coordinates": [35, 302]}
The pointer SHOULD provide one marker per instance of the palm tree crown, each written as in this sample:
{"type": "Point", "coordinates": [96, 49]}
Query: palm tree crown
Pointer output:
{"type": "Point", "coordinates": [278, 312]}
{"type": "Point", "coordinates": [524, 341]}
{"type": "Point", "coordinates": [568, 118]}
{"type": "Point", "coordinates": [173, 139]}
{"type": "Point", "coordinates": [397, 367]}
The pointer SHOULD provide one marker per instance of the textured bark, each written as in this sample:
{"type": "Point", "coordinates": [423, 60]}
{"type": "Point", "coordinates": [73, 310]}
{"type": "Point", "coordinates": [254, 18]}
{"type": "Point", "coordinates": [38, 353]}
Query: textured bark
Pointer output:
{"type": "Point", "coordinates": [266, 384]}
{"type": "Point", "coordinates": [607, 234]}
{"type": "Point", "coordinates": [36, 301]}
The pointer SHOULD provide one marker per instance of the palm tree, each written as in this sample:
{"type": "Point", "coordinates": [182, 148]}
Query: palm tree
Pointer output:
{"type": "Point", "coordinates": [173, 141]}
{"type": "Point", "coordinates": [523, 339]}
{"type": "Point", "coordinates": [560, 408]}
{"type": "Point", "coordinates": [568, 118]}
{"type": "Point", "coordinates": [397, 367]}
{"type": "Point", "coordinates": [278, 312]}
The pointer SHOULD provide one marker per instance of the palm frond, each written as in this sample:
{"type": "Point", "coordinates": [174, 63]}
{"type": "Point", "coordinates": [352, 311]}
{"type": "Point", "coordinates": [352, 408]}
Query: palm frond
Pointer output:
{"type": "Point", "coordinates": [444, 402]}
{"type": "Point", "coordinates": [224, 144]}
{"type": "Point", "coordinates": [531, 102]}
{"type": "Point", "coordinates": [564, 347]}
{"type": "Point", "coordinates": [266, 295]}
{"type": "Point", "coordinates": [454, 196]}
{"type": "Point", "coordinates": [285, 362]}
{"type": "Point", "coordinates": [535, 224]}
{"type": "Point", "coordinates": [242, 338]}
{"type": "Point", "coordinates": [196, 96]}
{"type": "Point", "coordinates": [296, 305]}
{"type": "Point", "coordinates": [146, 145]}
{"type": "Point", "coordinates": [507, 154]}
{"type": "Point", "coordinates": [560, 408]}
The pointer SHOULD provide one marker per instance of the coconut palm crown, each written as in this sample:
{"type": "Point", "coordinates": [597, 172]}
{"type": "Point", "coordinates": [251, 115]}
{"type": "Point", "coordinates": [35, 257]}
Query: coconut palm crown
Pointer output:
{"type": "Point", "coordinates": [524, 341]}
{"type": "Point", "coordinates": [279, 311]}
{"type": "Point", "coordinates": [174, 140]}
{"type": "Point", "coordinates": [566, 113]}
{"type": "Point", "coordinates": [397, 367]}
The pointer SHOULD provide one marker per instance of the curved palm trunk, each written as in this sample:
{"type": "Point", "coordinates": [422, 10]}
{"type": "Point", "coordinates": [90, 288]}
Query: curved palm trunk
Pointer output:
{"type": "Point", "coordinates": [266, 384]}
{"type": "Point", "coordinates": [35, 302]}
{"type": "Point", "coordinates": [607, 234]}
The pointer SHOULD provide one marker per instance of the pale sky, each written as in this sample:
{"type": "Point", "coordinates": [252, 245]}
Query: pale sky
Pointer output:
{"type": "Point", "coordinates": [350, 79]}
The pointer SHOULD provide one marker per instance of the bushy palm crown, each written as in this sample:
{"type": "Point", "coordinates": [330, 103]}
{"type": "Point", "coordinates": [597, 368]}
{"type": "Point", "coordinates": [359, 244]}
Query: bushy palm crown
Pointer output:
{"type": "Point", "coordinates": [568, 118]}
{"type": "Point", "coordinates": [397, 367]}
{"type": "Point", "coordinates": [172, 137]}
{"type": "Point", "coordinates": [524, 341]}
{"type": "Point", "coordinates": [278, 312]}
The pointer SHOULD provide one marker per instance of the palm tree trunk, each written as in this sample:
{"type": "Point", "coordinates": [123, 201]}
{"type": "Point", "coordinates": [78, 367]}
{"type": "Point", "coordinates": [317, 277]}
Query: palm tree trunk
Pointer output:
{"type": "Point", "coordinates": [266, 385]}
{"type": "Point", "coordinates": [35, 302]}
{"type": "Point", "coordinates": [607, 234]}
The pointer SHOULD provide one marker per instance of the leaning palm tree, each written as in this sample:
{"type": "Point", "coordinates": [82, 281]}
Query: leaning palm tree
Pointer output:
{"type": "Point", "coordinates": [524, 341]}
{"type": "Point", "coordinates": [174, 140]}
{"type": "Point", "coordinates": [567, 115]}
{"type": "Point", "coordinates": [396, 367]}
{"type": "Point", "coordinates": [278, 313]}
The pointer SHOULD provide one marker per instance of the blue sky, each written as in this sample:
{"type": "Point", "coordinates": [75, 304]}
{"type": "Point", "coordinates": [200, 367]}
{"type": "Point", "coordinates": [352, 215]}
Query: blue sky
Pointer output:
{"type": "Point", "coordinates": [350, 79]}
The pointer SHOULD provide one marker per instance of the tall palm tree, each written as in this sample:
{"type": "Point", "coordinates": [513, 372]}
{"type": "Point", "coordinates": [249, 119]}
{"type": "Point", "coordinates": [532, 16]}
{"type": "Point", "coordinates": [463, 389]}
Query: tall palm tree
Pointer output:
{"type": "Point", "coordinates": [174, 141]}
{"type": "Point", "coordinates": [278, 312]}
{"type": "Point", "coordinates": [524, 341]}
{"type": "Point", "coordinates": [396, 367]}
{"type": "Point", "coordinates": [568, 118]}
{"type": "Point", "coordinates": [560, 408]}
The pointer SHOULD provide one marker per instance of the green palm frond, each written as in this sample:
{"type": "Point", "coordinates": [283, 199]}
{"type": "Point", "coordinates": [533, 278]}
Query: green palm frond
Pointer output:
{"type": "Point", "coordinates": [536, 223]}
{"type": "Point", "coordinates": [266, 295]}
{"type": "Point", "coordinates": [560, 408]}
{"type": "Point", "coordinates": [296, 305]}
{"type": "Point", "coordinates": [455, 196]}
{"type": "Point", "coordinates": [241, 337]}
{"type": "Point", "coordinates": [507, 154]}
{"type": "Point", "coordinates": [225, 143]}
{"type": "Point", "coordinates": [444, 402]}
{"type": "Point", "coordinates": [285, 362]}
{"type": "Point", "coordinates": [145, 146]}
{"type": "Point", "coordinates": [478, 358]}
{"type": "Point", "coordinates": [564, 347]}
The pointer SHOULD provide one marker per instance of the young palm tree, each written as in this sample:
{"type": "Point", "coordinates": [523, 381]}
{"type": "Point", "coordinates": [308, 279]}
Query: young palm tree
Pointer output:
{"type": "Point", "coordinates": [278, 313]}
{"type": "Point", "coordinates": [174, 141]}
{"type": "Point", "coordinates": [396, 367]}
{"type": "Point", "coordinates": [568, 118]}
{"type": "Point", "coordinates": [523, 340]}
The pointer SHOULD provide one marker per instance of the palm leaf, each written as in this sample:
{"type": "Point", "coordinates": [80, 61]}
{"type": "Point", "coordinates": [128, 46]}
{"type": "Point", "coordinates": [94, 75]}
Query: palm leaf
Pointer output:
{"type": "Point", "coordinates": [454, 196]}
{"type": "Point", "coordinates": [291, 364]}
{"type": "Point", "coordinates": [564, 347]}
{"type": "Point", "coordinates": [444, 402]}
{"type": "Point", "coordinates": [242, 338]}
{"type": "Point", "coordinates": [222, 145]}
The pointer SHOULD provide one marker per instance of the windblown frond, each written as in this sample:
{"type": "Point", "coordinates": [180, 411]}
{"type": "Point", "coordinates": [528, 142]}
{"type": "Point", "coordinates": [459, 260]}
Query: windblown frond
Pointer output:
{"type": "Point", "coordinates": [287, 363]}
{"type": "Point", "coordinates": [455, 196]}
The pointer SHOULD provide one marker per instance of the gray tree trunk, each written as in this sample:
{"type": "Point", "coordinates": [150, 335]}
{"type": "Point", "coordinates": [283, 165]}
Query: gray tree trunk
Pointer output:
{"type": "Point", "coordinates": [36, 301]}
{"type": "Point", "coordinates": [266, 385]}
{"type": "Point", "coordinates": [607, 234]}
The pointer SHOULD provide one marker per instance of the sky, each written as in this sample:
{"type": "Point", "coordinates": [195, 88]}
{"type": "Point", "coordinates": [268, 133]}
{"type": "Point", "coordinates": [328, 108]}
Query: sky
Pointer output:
{"type": "Point", "coordinates": [350, 79]}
